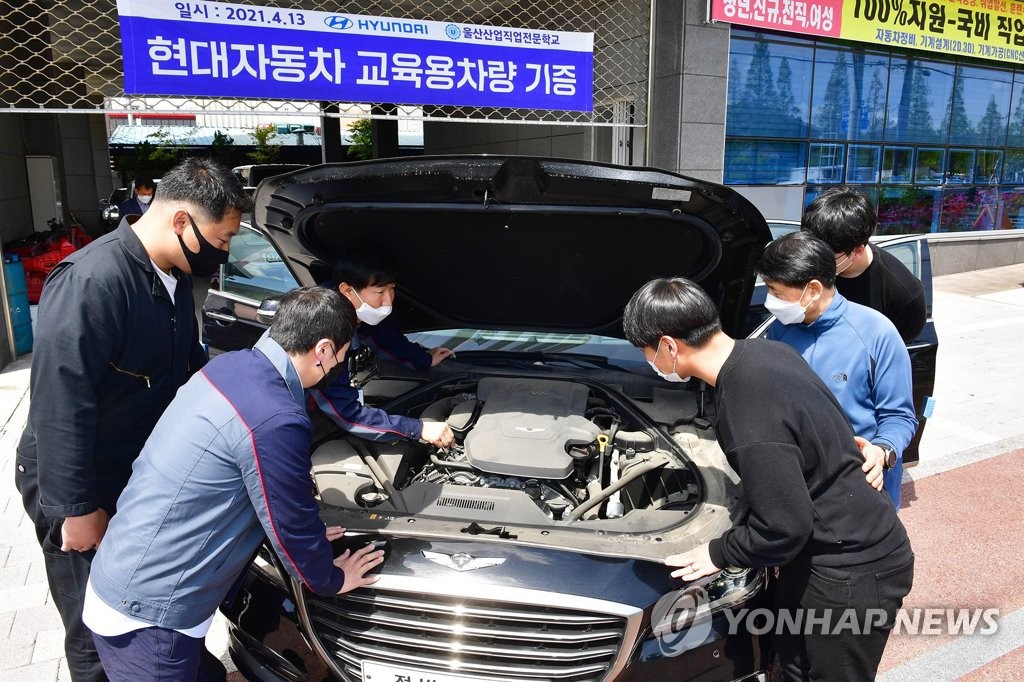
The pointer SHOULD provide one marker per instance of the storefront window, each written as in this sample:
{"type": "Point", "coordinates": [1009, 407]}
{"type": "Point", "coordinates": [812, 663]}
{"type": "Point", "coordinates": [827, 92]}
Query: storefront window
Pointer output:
{"type": "Point", "coordinates": [929, 166]}
{"type": "Point", "coordinates": [769, 87]}
{"type": "Point", "coordinates": [1015, 137]}
{"type": "Point", "coordinates": [898, 165]}
{"type": "Point", "coordinates": [1014, 172]}
{"type": "Point", "coordinates": [849, 94]}
{"type": "Point", "coordinates": [970, 209]}
{"type": "Point", "coordinates": [961, 166]}
{"type": "Point", "coordinates": [979, 106]}
{"type": "Point", "coordinates": [863, 164]}
{"type": "Point", "coordinates": [758, 162]}
{"type": "Point", "coordinates": [919, 94]}
{"type": "Point", "coordinates": [990, 166]}
{"type": "Point", "coordinates": [908, 210]}
{"type": "Point", "coordinates": [825, 163]}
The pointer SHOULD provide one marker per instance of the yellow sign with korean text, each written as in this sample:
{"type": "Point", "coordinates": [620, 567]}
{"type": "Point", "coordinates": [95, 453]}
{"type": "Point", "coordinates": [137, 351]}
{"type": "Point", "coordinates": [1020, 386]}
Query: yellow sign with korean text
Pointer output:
{"type": "Point", "coordinates": [983, 29]}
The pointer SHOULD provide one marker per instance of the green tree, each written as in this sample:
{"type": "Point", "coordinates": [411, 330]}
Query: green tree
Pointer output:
{"type": "Point", "coordinates": [1017, 124]}
{"type": "Point", "coordinates": [876, 112]}
{"type": "Point", "coordinates": [784, 88]}
{"type": "Point", "coordinates": [361, 132]}
{"type": "Point", "coordinates": [152, 157]}
{"type": "Point", "coordinates": [919, 120]}
{"type": "Point", "coordinates": [833, 119]}
{"type": "Point", "coordinates": [222, 149]}
{"type": "Point", "coordinates": [956, 111]}
{"type": "Point", "coordinates": [266, 151]}
{"type": "Point", "coordinates": [992, 127]}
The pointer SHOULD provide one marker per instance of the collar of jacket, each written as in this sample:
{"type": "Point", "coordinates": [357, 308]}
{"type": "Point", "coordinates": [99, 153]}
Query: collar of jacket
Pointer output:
{"type": "Point", "coordinates": [133, 246]}
{"type": "Point", "coordinates": [283, 364]}
{"type": "Point", "coordinates": [828, 319]}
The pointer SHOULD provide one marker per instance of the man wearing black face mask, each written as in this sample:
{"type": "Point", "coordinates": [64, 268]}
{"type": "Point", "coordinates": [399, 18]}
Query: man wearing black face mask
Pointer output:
{"type": "Point", "coordinates": [116, 337]}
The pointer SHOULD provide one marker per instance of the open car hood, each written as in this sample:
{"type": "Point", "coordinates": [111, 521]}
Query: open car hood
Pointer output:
{"type": "Point", "coordinates": [517, 243]}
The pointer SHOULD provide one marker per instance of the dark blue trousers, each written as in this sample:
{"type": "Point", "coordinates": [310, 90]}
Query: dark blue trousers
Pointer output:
{"type": "Point", "coordinates": [153, 653]}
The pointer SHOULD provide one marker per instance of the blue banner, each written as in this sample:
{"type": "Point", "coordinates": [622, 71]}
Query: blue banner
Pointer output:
{"type": "Point", "coordinates": [215, 49]}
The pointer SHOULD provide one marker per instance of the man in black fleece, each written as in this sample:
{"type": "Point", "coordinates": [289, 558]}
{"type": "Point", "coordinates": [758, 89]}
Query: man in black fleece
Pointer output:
{"type": "Point", "coordinates": [838, 541]}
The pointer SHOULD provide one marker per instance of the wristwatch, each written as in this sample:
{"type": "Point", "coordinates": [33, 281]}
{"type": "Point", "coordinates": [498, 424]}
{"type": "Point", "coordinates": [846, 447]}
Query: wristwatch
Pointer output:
{"type": "Point", "coordinates": [888, 456]}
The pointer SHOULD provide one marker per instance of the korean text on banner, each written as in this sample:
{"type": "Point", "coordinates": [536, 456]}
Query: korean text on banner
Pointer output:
{"type": "Point", "coordinates": [216, 49]}
{"type": "Point", "coordinates": [985, 29]}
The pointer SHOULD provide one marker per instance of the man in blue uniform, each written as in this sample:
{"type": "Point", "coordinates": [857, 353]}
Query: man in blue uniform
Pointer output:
{"type": "Point", "coordinates": [115, 339]}
{"type": "Point", "coordinates": [366, 277]}
{"type": "Point", "coordinates": [226, 466]}
{"type": "Point", "coordinates": [855, 350]}
{"type": "Point", "coordinates": [145, 188]}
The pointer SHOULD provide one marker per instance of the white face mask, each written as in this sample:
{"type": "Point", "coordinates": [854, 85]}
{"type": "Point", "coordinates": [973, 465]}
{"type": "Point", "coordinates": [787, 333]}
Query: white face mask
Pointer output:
{"type": "Point", "coordinates": [144, 198]}
{"type": "Point", "coordinates": [847, 262]}
{"type": "Point", "coordinates": [368, 314]}
{"type": "Point", "coordinates": [671, 377]}
{"type": "Point", "coordinates": [787, 312]}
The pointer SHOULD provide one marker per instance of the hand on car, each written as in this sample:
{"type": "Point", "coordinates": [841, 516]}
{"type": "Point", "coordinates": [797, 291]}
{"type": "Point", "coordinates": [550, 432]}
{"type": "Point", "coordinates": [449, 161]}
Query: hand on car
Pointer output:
{"type": "Point", "coordinates": [874, 461]}
{"type": "Point", "coordinates": [82, 533]}
{"type": "Point", "coordinates": [356, 564]}
{"type": "Point", "coordinates": [439, 355]}
{"type": "Point", "coordinates": [694, 564]}
{"type": "Point", "coordinates": [335, 533]}
{"type": "Point", "coordinates": [438, 434]}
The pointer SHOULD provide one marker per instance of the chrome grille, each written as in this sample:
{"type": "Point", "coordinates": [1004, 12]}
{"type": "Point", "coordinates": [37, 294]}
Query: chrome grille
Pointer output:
{"type": "Point", "coordinates": [475, 637]}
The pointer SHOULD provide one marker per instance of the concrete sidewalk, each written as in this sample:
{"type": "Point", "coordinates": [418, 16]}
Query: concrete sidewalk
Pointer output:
{"type": "Point", "coordinates": [970, 474]}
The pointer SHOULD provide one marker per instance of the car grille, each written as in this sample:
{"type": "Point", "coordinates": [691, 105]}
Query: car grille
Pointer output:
{"type": "Point", "coordinates": [479, 638]}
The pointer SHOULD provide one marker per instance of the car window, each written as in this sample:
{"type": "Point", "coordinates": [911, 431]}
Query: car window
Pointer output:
{"type": "Point", "coordinates": [255, 270]}
{"type": "Point", "coordinates": [909, 255]}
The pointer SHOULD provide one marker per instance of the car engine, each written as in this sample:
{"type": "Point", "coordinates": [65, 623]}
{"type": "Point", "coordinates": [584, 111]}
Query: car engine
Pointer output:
{"type": "Point", "coordinates": [527, 450]}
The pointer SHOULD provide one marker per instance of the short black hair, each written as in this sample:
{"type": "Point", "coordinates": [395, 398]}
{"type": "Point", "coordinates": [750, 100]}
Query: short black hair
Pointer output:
{"type": "Point", "coordinates": [307, 315]}
{"type": "Point", "coordinates": [842, 217]}
{"type": "Point", "coordinates": [674, 307]}
{"type": "Point", "coordinates": [145, 182]}
{"type": "Point", "coordinates": [797, 258]}
{"type": "Point", "coordinates": [365, 265]}
{"type": "Point", "coordinates": [209, 188]}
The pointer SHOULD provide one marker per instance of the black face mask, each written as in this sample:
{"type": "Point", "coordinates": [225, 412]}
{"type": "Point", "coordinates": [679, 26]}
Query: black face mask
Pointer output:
{"type": "Point", "coordinates": [330, 375]}
{"type": "Point", "coordinates": [206, 261]}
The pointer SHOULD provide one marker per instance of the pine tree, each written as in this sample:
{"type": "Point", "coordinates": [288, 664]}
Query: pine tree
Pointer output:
{"type": "Point", "coordinates": [956, 112]}
{"type": "Point", "coordinates": [992, 127]}
{"type": "Point", "coordinates": [759, 93]}
{"type": "Point", "coordinates": [919, 122]}
{"type": "Point", "coordinates": [876, 112]}
{"type": "Point", "coordinates": [786, 103]}
{"type": "Point", "coordinates": [836, 102]}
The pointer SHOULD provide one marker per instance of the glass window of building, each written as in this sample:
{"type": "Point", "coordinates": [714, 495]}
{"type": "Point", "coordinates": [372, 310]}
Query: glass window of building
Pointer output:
{"type": "Point", "coordinates": [862, 166]}
{"type": "Point", "coordinates": [849, 94]}
{"type": "Point", "coordinates": [979, 106]}
{"type": "Point", "coordinates": [765, 162]}
{"type": "Point", "coordinates": [898, 165]}
{"type": "Point", "coordinates": [919, 93]}
{"type": "Point", "coordinates": [769, 87]}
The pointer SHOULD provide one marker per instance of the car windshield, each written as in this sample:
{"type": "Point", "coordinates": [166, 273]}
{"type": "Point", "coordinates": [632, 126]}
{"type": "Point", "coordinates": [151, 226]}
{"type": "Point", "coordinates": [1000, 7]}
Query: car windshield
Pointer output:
{"type": "Point", "coordinates": [618, 352]}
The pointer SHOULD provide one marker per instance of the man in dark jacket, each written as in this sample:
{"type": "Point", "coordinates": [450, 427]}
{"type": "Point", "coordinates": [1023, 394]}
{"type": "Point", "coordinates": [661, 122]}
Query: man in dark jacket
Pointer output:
{"type": "Point", "coordinates": [843, 553]}
{"type": "Point", "coordinates": [116, 337]}
{"type": "Point", "coordinates": [844, 218]}
{"type": "Point", "coordinates": [145, 188]}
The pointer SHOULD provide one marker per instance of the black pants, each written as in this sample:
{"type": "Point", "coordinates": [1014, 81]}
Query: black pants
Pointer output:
{"type": "Point", "coordinates": [835, 649]}
{"type": "Point", "coordinates": [67, 574]}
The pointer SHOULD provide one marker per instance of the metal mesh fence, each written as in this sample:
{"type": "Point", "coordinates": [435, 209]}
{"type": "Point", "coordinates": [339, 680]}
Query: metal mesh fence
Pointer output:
{"type": "Point", "coordinates": [65, 55]}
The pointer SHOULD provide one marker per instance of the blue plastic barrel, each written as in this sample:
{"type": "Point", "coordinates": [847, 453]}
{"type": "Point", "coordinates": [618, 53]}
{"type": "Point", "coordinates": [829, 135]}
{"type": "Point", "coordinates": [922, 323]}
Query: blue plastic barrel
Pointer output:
{"type": "Point", "coordinates": [17, 303]}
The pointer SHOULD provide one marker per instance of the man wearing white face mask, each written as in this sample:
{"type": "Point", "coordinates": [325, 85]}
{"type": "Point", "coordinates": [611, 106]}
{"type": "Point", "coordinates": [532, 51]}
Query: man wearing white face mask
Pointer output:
{"type": "Point", "coordinates": [365, 276]}
{"type": "Point", "coordinates": [855, 350]}
{"type": "Point", "coordinates": [841, 549]}
{"type": "Point", "coordinates": [145, 188]}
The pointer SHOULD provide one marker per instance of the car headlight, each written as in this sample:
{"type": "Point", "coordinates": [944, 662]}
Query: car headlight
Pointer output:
{"type": "Point", "coordinates": [693, 606]}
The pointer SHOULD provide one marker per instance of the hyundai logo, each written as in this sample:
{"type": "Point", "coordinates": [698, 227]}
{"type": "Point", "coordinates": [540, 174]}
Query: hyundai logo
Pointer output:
{"type": "Point", "coordinates": [338, 22]}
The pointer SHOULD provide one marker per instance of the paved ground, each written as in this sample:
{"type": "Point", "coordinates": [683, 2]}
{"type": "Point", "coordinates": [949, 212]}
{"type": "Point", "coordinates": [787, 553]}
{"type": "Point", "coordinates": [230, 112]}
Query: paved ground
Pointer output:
{"type": "Point", "coordinates": [962, 504]}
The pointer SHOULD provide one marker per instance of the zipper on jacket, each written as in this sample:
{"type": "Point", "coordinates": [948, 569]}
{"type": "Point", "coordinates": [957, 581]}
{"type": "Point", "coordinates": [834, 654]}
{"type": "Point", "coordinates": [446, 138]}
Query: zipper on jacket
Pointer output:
{"type": "Point", "coordinates": [137, 376]}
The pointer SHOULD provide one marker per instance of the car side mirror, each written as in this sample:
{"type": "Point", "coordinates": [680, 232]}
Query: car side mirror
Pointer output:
{"type": "Point", "coordinates": [268, 308]}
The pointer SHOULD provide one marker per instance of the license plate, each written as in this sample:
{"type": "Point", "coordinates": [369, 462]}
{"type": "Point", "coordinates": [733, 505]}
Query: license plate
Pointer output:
{"type": "Point", "coordinates": [380, 672]}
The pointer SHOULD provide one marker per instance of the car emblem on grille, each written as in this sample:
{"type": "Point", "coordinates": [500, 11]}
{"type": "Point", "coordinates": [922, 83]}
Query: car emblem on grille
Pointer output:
{"type": "Point", "coordinates": [530, 429]}
{"type": "Point", "coordinates": [461, 561]}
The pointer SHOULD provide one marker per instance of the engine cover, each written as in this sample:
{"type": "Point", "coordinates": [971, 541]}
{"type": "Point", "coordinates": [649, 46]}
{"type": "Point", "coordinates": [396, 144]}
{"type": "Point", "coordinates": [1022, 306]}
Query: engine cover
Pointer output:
{"type": "Point", "coordinates": [526, 425]}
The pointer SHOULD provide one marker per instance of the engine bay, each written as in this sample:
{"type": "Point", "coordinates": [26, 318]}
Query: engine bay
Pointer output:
{"type": "Point", "coordinates": [533, 451]}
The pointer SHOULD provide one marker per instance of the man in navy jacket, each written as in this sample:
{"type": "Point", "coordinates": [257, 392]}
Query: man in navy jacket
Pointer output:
{"type": "Point", "coordinates": [115, 339]}
{"type": "Point", "coordinates": [854, 349]}
{"type": "Point", "coordinates": [366, 276]}
{"type": "Point", "coordinates": [226, 466]}
{"type": "Point", "coordinates": [145, 188]}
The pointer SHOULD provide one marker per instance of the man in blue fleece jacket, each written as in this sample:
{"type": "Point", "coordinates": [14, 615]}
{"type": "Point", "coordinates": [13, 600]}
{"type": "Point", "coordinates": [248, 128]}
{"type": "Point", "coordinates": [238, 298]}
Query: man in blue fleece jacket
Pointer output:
{"type": "Point", "coordinates": [855, 350]}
